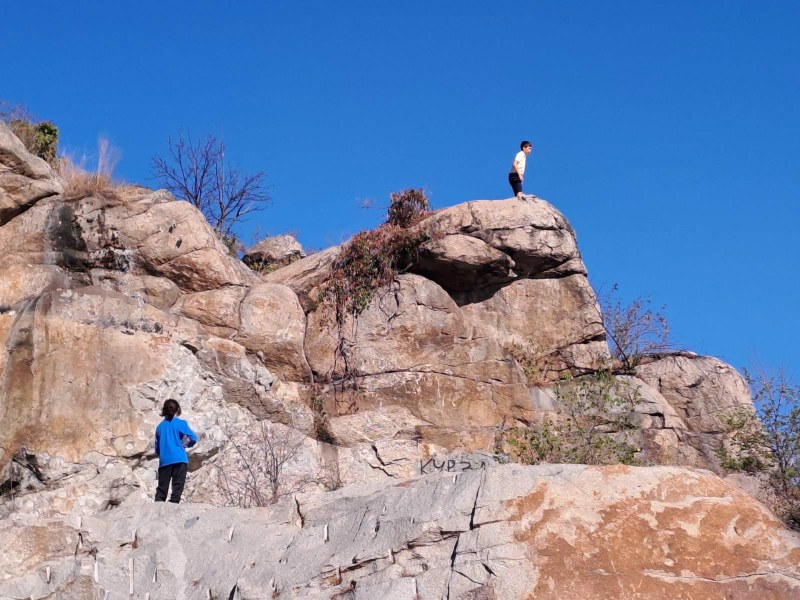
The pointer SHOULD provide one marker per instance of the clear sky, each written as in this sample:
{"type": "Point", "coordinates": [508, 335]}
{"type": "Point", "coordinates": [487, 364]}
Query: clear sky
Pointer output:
{"type": "Point", "coordinates": [668, 133]}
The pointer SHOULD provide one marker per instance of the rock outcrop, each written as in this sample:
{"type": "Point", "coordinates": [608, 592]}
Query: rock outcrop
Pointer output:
{"type": "Point", "coordinates": [111, 302]}
{"type": "Point", "coordinates": [512, 533]}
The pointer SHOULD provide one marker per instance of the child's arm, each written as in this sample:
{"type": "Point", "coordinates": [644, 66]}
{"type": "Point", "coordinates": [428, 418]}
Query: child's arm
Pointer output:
{"type": "Point", "coordinates": [155, 445]}
{"type": "Point", "coordinates": [187, 431]}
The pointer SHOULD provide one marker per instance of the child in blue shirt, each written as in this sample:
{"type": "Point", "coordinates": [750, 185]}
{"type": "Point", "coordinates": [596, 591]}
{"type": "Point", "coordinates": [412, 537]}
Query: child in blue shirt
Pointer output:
{"type": "Point", "coordinates": [173, 436]}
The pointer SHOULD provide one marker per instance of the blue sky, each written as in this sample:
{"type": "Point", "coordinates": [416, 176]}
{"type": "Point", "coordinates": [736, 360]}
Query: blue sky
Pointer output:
{"type": "Point", "coordinates": [666, 132]}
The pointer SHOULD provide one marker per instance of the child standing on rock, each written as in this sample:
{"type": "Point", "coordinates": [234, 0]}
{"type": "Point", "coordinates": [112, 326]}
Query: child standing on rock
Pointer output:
{"type": "Point", "coordinates": [517, 174]}
{"type": "Point", "coordinates": [173, 436]}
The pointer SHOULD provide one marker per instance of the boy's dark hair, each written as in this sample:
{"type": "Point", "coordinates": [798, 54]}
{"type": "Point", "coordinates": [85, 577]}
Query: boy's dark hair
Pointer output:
{"type": "Point", "coordinates": [171, 408]}
{"type": "Point", "coordinates": [524, 144]}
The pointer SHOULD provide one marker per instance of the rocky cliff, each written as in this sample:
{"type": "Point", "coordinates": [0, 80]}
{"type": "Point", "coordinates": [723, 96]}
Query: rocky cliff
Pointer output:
{"type": "Point", "coordinates": [113, 301]}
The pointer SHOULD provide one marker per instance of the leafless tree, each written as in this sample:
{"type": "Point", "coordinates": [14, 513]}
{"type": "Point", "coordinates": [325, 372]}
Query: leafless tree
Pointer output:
{"type": "Point", "coordinates": [634, 330]}
{"type": "Point", "coordinates": [258, 475]}
{"type": "Point", "coordinates": [196, 171]}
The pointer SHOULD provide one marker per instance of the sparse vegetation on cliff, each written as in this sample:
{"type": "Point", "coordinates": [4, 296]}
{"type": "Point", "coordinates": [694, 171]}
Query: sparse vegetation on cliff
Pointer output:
{"type": "Point", "coordinates": [634, 330]}
{"type": "Point", "coordinates": [766, 441]}
{"type": "Point", "coordinates": [592, 425]}
{"type": "Point", "coordinates": [80, 181]}
{"type": "Point", "coordinates": [369, 262]}
{"type": "Point", "coordinates": [39, 137]}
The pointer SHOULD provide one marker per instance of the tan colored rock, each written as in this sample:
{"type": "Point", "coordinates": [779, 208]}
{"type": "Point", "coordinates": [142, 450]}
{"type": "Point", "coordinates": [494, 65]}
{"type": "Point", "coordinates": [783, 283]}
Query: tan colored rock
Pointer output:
{"type": "Point", "coordinates": [460, 263]}
{"type": "Point", "coordinates": [305, 276]}
{"type": "Point", "coordinates": [373, 425]}
{"type": "Point", "coordinates": [157, 291]}
{"type": "Point", "coordinates": [273, 326]}
{"type": "Point", "coordinates": [273, 253]}
{"type": "Point", "coordinates": [702, 389]}
{"type": "Point", "coordinates": [566, 532]}
{"type": "Point", "coordinates": [533, 234]}
{"type": "Point", "coordinates": [413, 326]}
{"type": "Point", "coordinates": [214, 308]}
{"type": "Point", "coordinates": [174, 239]}
{"type": "Point", "coordinates": [21, 283]}
{"type": "Point", "coordinates": [25, 179]}
{"type": "Point", "coordinates": [554, 318]}
{"type": "Point", "coordinates": [23, 239]}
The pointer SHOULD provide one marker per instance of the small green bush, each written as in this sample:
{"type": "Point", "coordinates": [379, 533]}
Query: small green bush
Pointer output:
{"type": "Point", "coordinates": [39, 138]}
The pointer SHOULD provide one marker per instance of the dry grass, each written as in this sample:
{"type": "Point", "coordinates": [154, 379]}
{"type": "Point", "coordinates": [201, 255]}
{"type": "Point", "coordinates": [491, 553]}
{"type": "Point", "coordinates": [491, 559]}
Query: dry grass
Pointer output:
{"type": "Point", "coordinates": [80, 182]}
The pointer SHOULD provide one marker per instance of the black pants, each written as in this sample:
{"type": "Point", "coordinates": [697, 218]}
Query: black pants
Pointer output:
{"type": "Point", "coordinates": [175, 472]}
{"type": "Point", "coordinates": [516, 182]}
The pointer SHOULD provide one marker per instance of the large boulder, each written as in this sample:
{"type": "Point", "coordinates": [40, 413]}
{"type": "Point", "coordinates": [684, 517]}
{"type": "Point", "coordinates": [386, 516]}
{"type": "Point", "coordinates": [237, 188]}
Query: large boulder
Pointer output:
{"type": "Point", "coordinates": [273, 253]}
{"type": "Point", "coordinates": [536, 239]}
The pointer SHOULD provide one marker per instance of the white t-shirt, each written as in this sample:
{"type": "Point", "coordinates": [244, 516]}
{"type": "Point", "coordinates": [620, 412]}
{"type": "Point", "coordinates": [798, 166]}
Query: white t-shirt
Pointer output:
{"type": "Point", "coordinates": [519, 161]}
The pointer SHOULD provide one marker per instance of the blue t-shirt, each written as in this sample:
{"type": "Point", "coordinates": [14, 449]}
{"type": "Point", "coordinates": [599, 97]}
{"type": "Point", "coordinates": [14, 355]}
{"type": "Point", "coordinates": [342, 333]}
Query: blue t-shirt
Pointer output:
{"type": "Point", "coordinates": [171, 438]}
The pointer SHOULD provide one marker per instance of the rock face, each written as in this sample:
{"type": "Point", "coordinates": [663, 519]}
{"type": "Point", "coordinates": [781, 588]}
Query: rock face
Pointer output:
{"type": "Point", "coordinates": [112, 302]}
{"type": "Point", "coordinates": [512, 533]}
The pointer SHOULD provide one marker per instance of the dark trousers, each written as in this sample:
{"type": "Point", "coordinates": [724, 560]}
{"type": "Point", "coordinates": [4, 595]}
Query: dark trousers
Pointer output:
{"type": "Point", "coordinates": [175, 473]}
{"type": "Point", "coordinates": [516, 183]}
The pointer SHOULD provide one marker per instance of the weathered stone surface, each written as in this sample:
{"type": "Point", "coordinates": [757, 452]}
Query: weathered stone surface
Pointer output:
{"type": "Point", "coordinates": [274, 252]}
{"type": "Point", "coordinates": [170, 238]}
{"type": "Point", "coordinates": [219, 308]}
{"type": "Point", "coordinates": [704, 391]}
{"type": "Point", "coordinates": [306, 276]}
{"type": "Point", "coordinates": [533, 234]}
{"type": "Point", "coordinates": [460, 263]}
{"type": "Point", "coordinates": [158, 291]}
{"type": "Point", "coordinates": [506, 532]}
{"type": "Point", "coordinates": [273, 326]}
{"type": "Point", "coordinates": [547, 317]}
{"type": "Point", "coordinates": [23, 239]}
{"type": "Point", "coordinates": [25, 179]}
{"type": "Point", "coordinates": [21, 283]}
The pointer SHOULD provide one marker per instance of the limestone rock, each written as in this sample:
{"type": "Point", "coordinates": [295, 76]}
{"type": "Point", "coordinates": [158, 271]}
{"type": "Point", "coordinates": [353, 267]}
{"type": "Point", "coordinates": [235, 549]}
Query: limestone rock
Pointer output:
{"type": "Point", "coordinates": [25, 179]}
{"type": "Point", "coordinates": [273, 253]}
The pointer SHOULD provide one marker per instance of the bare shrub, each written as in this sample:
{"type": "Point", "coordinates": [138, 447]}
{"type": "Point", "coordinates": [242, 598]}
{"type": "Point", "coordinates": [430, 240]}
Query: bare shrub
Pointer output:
{"type": "Point", "coordinates": [258, 476]}
{"type": "Point", "coordinates": [196, 171]}
{"type": "Point", "coordinates": [767, 441]}
{"type": "Point", "coordinates": [407, 207]}
{"type": "Point", "coordinates": [634, 330]}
